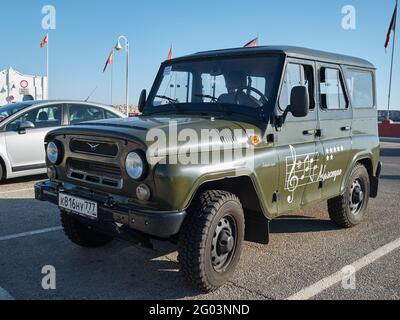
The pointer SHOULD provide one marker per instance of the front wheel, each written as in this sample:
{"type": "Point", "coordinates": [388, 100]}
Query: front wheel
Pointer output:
{"type": "Point", "coordinates": [2, 173]}
{"type": "Point", "coordinates": [81, 234]}
{"type": "Point", "coordinates": [350, 209]}
{"type": "Point", "coordinates": [211, 240]}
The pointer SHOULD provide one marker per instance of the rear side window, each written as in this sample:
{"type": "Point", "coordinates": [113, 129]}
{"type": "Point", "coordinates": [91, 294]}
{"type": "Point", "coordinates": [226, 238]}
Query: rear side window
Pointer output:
{"type": "Point", "coordinates": [333, 95]}
{"type": "Point", "coordinates": [361, 88]}
{"type": "Point", "coordinates": [110, 115]}
{"type": "Point", "coordinates": [296, 75]}
{"type": "Point", "coordinates": [83, 113]}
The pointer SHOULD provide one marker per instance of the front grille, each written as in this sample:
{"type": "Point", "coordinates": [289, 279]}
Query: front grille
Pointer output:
{"type": "Point", "coordinates": [95, 168]}
{"type": "Point", "coordinates": [95, 173]}
{"type": "Point", "coordinates": [103, 149]}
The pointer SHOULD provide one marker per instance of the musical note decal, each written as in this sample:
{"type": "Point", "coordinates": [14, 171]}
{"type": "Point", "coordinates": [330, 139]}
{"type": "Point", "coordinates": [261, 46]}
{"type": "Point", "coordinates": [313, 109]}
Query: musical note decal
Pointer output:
{"type": "Point", "coordinates": [302, 170]}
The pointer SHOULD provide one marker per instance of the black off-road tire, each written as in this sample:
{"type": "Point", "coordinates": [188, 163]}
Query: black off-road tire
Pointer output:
{"type": "Point", "coordinates": [198, 235]}
{"type": "Point", "coordinates": [339, 208]}
{"type": "Point", "coordinates": [81, 234]}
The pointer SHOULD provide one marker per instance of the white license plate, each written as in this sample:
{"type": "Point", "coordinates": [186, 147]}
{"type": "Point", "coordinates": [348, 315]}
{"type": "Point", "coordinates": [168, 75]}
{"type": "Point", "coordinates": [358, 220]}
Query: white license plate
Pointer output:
{"type": "Point", "coordinates": [82, 207]}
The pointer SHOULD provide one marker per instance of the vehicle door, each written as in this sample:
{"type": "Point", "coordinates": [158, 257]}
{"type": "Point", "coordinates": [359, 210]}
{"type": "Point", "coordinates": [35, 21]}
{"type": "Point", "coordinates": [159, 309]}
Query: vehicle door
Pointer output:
{"type": "Point", "coordinates": [25, 148]}
{"type": "Point", "coordinates": [296, 141]}
{"type": "Point", "coordinates": [335, 121]}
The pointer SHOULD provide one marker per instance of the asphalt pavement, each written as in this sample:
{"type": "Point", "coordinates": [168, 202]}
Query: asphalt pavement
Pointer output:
{"type": "Point", "coordinates": [303, 260]}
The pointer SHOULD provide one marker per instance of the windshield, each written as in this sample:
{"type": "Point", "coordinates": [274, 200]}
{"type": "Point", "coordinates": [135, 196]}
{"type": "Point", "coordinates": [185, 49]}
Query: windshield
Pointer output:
{"type": "Point", "coordinates": [249, 82]}
{"type": "Point", "coordinates": [10, 109]}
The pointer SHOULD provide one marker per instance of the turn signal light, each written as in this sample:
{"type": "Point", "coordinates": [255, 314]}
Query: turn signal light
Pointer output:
{"type": "Point", "coordinates": [255, 140]}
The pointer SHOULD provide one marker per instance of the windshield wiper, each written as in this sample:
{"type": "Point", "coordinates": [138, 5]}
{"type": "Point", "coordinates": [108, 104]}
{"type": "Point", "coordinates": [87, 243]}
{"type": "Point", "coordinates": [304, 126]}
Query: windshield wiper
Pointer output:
{"type": "Point", "coordinates": [172, 102]}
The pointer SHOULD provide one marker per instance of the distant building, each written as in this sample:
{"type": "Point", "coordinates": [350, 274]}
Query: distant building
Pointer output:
{"type": "Point", "coordinates": [16, 87]}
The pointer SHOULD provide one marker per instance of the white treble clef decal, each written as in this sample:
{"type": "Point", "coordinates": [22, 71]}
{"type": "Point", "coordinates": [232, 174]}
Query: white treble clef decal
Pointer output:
{"type": "Point", "coordinates": [293, 179]}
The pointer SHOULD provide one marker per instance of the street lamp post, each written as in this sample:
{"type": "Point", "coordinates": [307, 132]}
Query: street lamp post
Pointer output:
{"type": "Point", "coordinates": [119, 47]}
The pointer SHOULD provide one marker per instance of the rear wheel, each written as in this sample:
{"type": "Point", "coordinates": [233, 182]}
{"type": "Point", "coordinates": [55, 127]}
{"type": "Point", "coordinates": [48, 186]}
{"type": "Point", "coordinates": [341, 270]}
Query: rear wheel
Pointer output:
{"type": "Point", "coordinates": [81, 234]}
{"type": "Point", "coordinates": [211, 240]}
{"type": "Point", "coordinates": [350, 209]}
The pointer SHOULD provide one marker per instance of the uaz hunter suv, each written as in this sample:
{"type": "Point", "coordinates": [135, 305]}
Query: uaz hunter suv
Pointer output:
{"type": "Point", "coordinates": [227, 141]}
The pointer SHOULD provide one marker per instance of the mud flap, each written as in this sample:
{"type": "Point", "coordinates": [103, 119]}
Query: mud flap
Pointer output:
{"type": "Point", "coordinates": [257, 228]}
{"type": "Point", "coordinates": [375, 182]}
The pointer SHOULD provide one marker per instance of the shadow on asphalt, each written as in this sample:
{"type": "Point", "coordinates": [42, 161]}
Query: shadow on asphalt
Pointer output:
{"type": "Point", "coordinates": [299, 224]}
{"type": "Point", "coordinates": [387, 152]}
{"type": "Point", "coordinates": [24, 180]}
{"type": "Point", "coordinates": [121, 269]}
{"type": "Point", "coordinates": [386, 177]}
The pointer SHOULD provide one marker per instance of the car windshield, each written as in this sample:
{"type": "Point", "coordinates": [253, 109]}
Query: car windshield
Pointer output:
{"type": "Point", "coordinates": [249, 82]}
{"type": "Point", "coordinates": [10, 109]}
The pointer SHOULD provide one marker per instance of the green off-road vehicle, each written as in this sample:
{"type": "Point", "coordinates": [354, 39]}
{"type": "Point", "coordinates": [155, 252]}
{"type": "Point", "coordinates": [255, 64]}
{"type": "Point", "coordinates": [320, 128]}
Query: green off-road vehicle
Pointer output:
{"type": "Point", "coordinates": [227, 141]}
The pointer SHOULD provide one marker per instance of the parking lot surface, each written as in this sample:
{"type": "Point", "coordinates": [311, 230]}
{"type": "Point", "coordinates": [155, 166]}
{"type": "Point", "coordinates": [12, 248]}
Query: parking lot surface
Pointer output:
{"type": "Point", "coordinates": [305, 253]}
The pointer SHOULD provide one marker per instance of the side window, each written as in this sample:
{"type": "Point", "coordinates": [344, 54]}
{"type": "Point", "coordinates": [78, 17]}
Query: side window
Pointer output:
{"type": "Point", "coordinates": [332, 90]}
{"type": "Point", "coordinates": [110, 115]}
{"type": "Point", "coordinates": [45, 117]}
{"type": "Point", "coordinates": [82, 113]}
{"type": "Point", "coordinates": [297, 75]}
{"type": "Point", "coordinates": [361, 88]}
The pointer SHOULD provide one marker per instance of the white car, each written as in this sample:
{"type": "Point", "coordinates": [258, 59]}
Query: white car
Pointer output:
{"type": "Point", "coordinates": [23, 127]}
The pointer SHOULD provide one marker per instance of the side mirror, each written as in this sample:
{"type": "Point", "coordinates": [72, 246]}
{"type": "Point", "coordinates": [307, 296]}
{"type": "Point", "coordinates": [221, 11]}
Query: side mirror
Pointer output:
{"type": "Point", "coordinates": [25, 126]}
{"type": "Point", "coordinates": [300, 102]}
{"type": "Point", "coordinates": [142, 101]}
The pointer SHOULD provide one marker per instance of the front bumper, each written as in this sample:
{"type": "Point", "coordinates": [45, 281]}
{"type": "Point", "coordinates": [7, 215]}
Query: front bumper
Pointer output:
{"type": "Point", "coordinates": [156, 224]}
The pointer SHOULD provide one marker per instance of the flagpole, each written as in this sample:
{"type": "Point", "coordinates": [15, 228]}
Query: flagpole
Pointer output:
{"type": "Point", "coordinates": [112, 78]}
{"type": "Point", "coordinates": [47, 65]}
{"type": "Point", "coordinates": [391, 66]}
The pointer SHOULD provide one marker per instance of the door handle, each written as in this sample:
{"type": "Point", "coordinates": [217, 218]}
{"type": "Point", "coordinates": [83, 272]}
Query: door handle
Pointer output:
{"type": "Point", "coordinates": [317, 132]}
{"type": "Point", "coordinates": [348, 128]}
{"type": "Point", "coordinates": [309, 132]}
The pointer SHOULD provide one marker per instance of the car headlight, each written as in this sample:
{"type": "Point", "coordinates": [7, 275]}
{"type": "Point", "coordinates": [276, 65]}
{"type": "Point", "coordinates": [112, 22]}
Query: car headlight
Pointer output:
{"type": "Point", "coordinates": [136, 165]}
{"type": "Point", "coordinates": [54, 152]}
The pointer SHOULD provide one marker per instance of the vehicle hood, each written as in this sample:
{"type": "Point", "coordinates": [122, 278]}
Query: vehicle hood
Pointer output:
{"type": "Point", "coordinates": [145, 130]}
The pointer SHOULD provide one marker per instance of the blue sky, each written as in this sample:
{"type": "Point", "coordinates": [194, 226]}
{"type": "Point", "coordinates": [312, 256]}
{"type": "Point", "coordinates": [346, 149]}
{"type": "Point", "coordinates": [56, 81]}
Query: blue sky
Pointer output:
{"type": "Point", "coordinates": [87, 30]}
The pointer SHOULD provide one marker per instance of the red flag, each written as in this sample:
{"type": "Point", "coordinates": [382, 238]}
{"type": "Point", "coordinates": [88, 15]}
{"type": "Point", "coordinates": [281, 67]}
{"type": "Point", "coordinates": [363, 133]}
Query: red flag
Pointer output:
{"type": "Point", "coordinates": [170, 54]}
{"type": "Point", "coordinates": [109, 61]}
{"type": "Point", "coordinates": [392, 27]}
{"type": "Point", "coordinates": [252, 44]}
{"type": "Point", "coordinates": [44, 41]}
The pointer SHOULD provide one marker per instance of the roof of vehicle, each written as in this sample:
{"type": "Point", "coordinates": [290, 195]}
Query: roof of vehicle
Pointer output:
{"type": "Point", "coordinates": [32, 103]}
{"type": "Point", "coordinates": [295, 52]}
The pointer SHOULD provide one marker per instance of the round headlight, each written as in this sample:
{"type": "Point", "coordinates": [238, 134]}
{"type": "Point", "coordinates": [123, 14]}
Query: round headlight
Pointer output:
{"type": "Point", "coordinates": [53, 152]}
{"type": "Point", "coordinates": [135, 165]}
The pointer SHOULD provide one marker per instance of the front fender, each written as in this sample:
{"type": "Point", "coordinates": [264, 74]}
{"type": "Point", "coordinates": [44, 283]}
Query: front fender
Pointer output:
{"type": "Point", "coordinates": [176, 185]}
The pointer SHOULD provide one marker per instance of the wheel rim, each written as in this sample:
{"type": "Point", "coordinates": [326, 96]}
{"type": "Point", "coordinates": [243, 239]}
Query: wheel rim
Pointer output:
{"type": "Point", "coordinates": [224, 244]}
{"type": "Point", "coordinates": [357, 197]}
